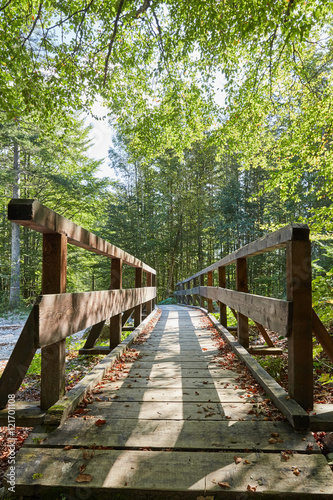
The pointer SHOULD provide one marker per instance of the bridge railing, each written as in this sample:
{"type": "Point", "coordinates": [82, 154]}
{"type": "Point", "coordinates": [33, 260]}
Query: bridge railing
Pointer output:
{"type": "Point", "coordinates": [293, 318]}
{"type": "Point", "coordinates": [58, 314]}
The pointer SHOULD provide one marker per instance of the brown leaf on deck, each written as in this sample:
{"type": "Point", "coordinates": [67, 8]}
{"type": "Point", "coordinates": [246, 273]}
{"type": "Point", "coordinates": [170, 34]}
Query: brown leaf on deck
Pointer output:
{"type": "Point", "coordinates": [224, 485]}
{"type": "Point", "coordinates": [100, 422]}
{"type": "Point", "coordinates": [84, 478]}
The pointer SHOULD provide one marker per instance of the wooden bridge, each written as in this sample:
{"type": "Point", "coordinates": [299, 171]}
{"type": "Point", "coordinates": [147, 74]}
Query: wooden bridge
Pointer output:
{"type": "Point", "coordinates": [172, 412]}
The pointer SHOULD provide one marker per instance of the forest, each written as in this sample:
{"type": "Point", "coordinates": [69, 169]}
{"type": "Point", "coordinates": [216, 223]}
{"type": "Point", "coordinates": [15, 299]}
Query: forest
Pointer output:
{"type": "Point", "coordinates": [221, 118]}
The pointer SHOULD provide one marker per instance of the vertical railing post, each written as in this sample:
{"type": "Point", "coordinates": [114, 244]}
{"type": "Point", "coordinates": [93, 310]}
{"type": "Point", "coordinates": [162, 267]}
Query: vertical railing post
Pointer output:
{"type": "Point", "coordinates": [300, 360]}
{"type": "Point", "coordinates": [182, 287]}
{"type": "Point", "coordinates": [116, 284]}
{"type": "Point", "coordinates": [149, 303]}
{"type": "Point", "coordinates": [188, 286]}
{"type": "Point", "coordinates": [202, 283]}
{"type": "Point", "coordinates": [195, 296]}
{"type": "Point", "coordinates": [210, 283]}
{"type": "Point", "coordinates": [153, 282]}
{"type": "Point", "coordinates": [241, 285]}
{"type": "Point", "coordinates": [53, 357]}
{"type": "Point", "coordinates": [138, 308]}
{"type": "Point", "coordinates": [223, 307]}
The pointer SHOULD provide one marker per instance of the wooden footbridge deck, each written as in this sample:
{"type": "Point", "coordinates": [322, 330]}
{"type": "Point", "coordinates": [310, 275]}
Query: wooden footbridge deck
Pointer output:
{"type": "Point", "coordinates": [176, 425]}
{"type": "Point", "coordinates": [180, 421]}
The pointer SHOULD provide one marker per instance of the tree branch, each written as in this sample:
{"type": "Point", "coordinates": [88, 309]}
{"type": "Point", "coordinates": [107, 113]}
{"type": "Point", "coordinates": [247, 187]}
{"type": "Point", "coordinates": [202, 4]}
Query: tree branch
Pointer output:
{"type": "Point", "coordinates": [6, 5]}
{"type": "Point", "coordinates": [121, 3]}
{"type": "Point", "coordinates": [34, 24]}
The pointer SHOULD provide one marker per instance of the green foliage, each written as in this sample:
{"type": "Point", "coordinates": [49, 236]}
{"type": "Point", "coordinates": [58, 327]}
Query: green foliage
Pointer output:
{"type": "Point", "coordinates": [168, 301]}
{"type": "Point", "coordinates": [274, 365]}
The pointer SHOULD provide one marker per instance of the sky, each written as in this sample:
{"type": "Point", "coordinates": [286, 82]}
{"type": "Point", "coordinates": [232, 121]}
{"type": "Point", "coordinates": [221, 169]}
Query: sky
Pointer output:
{"type": "Point", "coordinates": [101, 136]}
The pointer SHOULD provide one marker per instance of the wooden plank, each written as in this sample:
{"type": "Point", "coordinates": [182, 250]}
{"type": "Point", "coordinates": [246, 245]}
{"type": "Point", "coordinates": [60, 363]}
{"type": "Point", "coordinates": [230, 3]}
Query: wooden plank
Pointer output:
{"type": "Point", "coordinates": [115, 320]}
{"type": "Point", "coordinates": [264, 334]}
{"type": "Point", "coordinates": [93, 335]}
{"type": "Point", "coordinates": [275, 314]}
{"type": "Point", "coordinates": [53, 355]}
{"type": "Point", "coordinates": [27, 414]}
{"type": "Point", "coordinates": [321, 418]}
{"type": "Point", "coordinates": [322, 335]}
{"type": "Point", "coordinates": [96, 350]}
{"type": "Point", "coordinates": [126, 316]}
{"type": "Point", "coordinates": [265, 351]}
{"type": "Point", "coordinates": [269, 242]}
{"type": "Point", "coordinates": [138, 307]}
{"type": "Point", "coordinates": [210, 283]}
{"type": "Point", "coordinates": [19, 361]}
{"type": "Point", "coordinates": [222, 307]}
{"type": "Point", "coordinates": [149, 283]}
{"type": "Point", "coordinates": [59, 412]}
{"type": "Point", "coordinates": [202, 283]}
{"type": "Point", "coordinates": [217, 435]}
{"type": "Point", "coordinates": [31, 213]}
{"type": "Point", "coordinates": [180, 474]}
{"type": "Point", "coordinates": [300, 362]}
{"type": "Point", "coordinates": [61, 315]}
{"type": "Point", "coordinates": [242, 320]}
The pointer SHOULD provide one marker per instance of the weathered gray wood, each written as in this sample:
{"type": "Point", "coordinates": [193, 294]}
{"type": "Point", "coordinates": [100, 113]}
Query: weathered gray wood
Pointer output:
{"type": "Point", "coordinates": [223, 307]}
{"type": "Point", "coordinates": [31, 213]}
{"type": "Point", "coordinates": [289, 407]}
{"type": "Point", "coordinates": [27, 414]}
{"type": "Point", "coordinates": [321, 418]}
{"type": "Point", "coordinates": [242, 320]}
{"type": "Point", "coordinates": [275, 314]}
{"type": "Point", "coordinates": [53, 357]}
{"type": "Point", "coordinates": [149, 283]}
{"type": "Point", "coordinates": [168, 476]}
{"type": "Point", "coordinates": [210, 283]}
{"type": "Point", "coordinates": [272, 241]}
{"type": "Point", "coordinates": [138, 307]}
{"type": "Point", "coordinates": [300, 362]}
{"type": "Point", "coordinates": [202, 283]}
{"type": "Point", "coordinates": [19, 361]}
{"type": "Point", "coordinates": [60, 411]}
{"type": "Point", "coordinates": [218, 435]}
{"type": "Point", "coordinates": [322, 335]}
{"type": "Point", "coordinates": [62, 315]}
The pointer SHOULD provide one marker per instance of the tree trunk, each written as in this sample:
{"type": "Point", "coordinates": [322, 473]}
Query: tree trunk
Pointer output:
{"type": "Point", "coordinates": [14, 295]}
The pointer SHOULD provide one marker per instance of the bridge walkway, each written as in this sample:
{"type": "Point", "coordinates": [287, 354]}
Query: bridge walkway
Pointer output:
{"type": "Point", "coordinates": [181, 420]}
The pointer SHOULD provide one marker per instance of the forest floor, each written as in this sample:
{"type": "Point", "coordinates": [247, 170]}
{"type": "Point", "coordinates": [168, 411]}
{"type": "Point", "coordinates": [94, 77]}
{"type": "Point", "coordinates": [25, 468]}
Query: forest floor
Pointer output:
{"type": "Point", "coordinates": [77, 366]}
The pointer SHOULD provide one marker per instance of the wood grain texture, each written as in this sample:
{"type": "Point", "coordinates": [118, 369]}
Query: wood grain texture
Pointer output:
{"type": "Point", "coordinates": [31, 213]}
{"type": "Point", "coordinates": [61, 315]}
{"type": "Point", "coordinates": [272, 241]}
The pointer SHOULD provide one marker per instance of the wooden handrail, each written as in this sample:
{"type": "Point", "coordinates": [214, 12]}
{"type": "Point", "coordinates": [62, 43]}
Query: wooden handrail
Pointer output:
{"type": "Point", "coordinates": [292, 318]}
{"type": "Point", "coordinates": [273, 241]}
{"type": "Point", "coordinates": [32, 214]}
{"type": "Point", "coordinates": [58, 314]}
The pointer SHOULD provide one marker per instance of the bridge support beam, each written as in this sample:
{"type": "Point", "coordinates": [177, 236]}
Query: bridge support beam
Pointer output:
{"type": "Point", "coordinates": [138, 309]}
{"type": "Point", "coordinates": [300, 361]}
{"type": "Point", "coordinates": [116, 284]}
{"type": "Point", "coordinates": [241, 285]}
{"type": "Point", "coordinates": [223, 307]}
{"type": "Point", "coordinates": [53, 357]}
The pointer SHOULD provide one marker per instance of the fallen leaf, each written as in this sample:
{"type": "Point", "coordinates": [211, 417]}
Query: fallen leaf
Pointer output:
{"type": "Point", "coordinates": [82, 468]}
{"type": "Point", "coordinates": [237, 459]}
{"type": "Point", "coordinates": [296, 472]}
{"type": "Point", "coordinates": [100, 422]}
{"type": "Point", "coordinates": [247, 462]}
{"type": "Point", "coordinates": [285, 456]}
{"type": "Point", "coordinates": [251, 488]}
{"type": "Point", "coordinates": [272, 441]}
{"type": "Point", "coordinates": [68, 447]}
{"type": "Point", "coordinates": [275, 434]}
{"type": "Point", "coordinates": [84, 478]}
{"type": "Point", "coordinates": [224, 485]}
